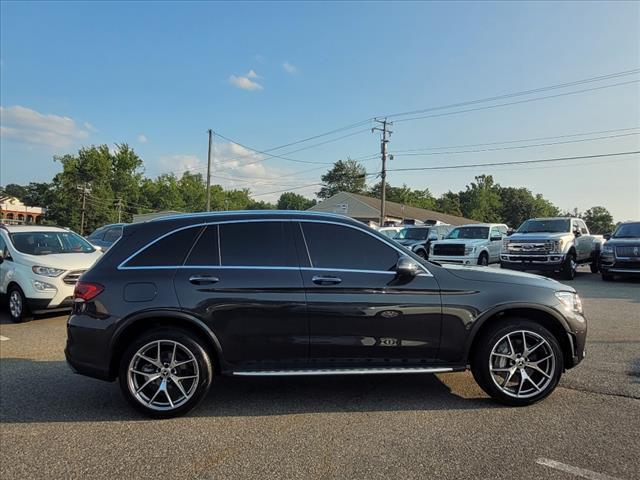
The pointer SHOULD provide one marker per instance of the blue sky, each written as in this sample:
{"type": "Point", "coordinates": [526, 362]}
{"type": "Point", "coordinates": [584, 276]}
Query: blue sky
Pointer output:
{"type": "Point", "coordinates": [158, 75]}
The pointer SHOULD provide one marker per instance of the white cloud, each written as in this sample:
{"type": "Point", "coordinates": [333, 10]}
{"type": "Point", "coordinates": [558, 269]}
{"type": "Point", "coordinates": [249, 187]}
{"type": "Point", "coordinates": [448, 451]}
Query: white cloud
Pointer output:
{"type": "Point", "coordinates": [180, 163]}
{"type": "Point", "coordinates": [29, 126]}
{"type": "Point", "coordinates": [142, 138]}
{"type": "Point", "coordinates": [245, 82]}
{"type": "Point", "coordinates": [290, 68]}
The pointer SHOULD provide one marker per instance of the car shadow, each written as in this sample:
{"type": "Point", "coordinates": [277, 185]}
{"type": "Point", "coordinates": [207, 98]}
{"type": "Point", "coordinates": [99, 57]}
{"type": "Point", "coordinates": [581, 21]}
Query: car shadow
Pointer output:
{"type": "Point", "coordinates": [48, 391]}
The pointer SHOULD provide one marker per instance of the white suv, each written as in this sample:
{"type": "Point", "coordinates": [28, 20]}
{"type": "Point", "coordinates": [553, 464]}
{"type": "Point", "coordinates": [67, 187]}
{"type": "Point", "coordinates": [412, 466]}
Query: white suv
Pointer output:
{"type": "Point", "coordinates": [39, 267]}
{"type": "Point", "coordinates": [474, 244]}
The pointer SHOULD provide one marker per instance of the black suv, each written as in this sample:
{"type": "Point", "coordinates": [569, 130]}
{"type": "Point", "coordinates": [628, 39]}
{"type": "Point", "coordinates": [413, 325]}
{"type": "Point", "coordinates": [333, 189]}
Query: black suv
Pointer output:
{"type": "Point", "coordinates": [620, 255]}
{"type": "Point", "coordinates": [181, 299]}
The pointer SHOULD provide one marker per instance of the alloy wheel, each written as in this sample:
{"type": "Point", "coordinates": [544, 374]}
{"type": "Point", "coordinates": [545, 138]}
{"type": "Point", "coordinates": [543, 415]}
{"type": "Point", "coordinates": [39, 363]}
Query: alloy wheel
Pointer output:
{"type": "Point", "coordinates": [522, 364]}
{"type": "Point", "coordinates": [163, 375]}
{"type": "Point", "coordinates": [15, 304]}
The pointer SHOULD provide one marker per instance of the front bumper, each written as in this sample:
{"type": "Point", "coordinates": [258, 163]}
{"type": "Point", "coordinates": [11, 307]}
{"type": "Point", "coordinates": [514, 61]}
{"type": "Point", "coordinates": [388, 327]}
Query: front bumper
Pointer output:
{"type": "Point", "coordinates": [551, 262]}
{"type": "Point", "coordinates": [461, 260]}
{"type": "Point", "coordinates": [59, 297]}
{"type": "Point", "coordinates": [619, 266]}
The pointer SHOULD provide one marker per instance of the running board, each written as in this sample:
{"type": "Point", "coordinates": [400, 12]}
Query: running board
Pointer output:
{"type": "Point", "coordinates": [341, 371]}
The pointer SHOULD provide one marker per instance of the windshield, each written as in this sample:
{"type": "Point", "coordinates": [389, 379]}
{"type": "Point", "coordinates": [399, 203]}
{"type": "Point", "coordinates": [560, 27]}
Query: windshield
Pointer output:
{"type": "Point", "coordinates": [412, 234]}
{"type": "Point", "coordinates": [560, 225]}
{"type": "Point", "coordinates": [45, 243]}
{"type": "Point", "coordinates": [628, 230]}
{"type": "Point", "coordinates": [472, 233]}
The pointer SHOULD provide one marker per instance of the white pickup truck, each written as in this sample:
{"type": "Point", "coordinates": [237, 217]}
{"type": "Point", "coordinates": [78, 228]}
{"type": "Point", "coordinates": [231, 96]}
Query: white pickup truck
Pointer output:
{"type": "Point", "coordinates": [551, 245]}
{"type": "Point", "coordinates": [473, 244]}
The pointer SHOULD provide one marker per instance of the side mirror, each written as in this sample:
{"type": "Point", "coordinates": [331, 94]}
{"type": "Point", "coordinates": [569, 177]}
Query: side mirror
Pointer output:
{"type": "Point", "coordinates": [510, 232]}
{"type": "Point", "coordinates": [577, 233]}
{"type": "Point", "coordinates": [406, 266]}
{"type": "Point", "coordinates": [607, 236]}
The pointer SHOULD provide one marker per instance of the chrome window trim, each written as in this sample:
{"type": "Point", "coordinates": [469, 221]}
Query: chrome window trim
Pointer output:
{"type": "Point", "coordinates": [349, 270]}
{"type": "Point", "coordinates": [123, 266]}
{"type": "Point", "coordinates": [306, 247]}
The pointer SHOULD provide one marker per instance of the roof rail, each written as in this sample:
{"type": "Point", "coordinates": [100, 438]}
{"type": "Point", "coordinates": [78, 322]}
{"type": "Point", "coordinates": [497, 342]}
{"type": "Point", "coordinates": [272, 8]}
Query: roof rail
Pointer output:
{"type": "Point", "coordinates": [174, 216]}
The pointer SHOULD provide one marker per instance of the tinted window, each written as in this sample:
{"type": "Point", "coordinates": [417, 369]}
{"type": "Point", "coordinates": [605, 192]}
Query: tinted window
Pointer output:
{"type": "Point", "coordinates": [49, 242]}
{"type": "Point", "coordinates": [167, 252]}
{"type": "Point", "coordinates": [205, 251]}
{"type": "Point", "coordinates": [97, 234]}
{"type": "Point", "coordinates": [334, 246]}
{"type": "Point", "coordinates": [261, 244]}
{"type": "Point", "coordinates": [113, 234]}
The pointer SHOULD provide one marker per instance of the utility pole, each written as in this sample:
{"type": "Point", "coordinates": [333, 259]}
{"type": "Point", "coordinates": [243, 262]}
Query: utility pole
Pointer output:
{"type": "Point", "coordinates": [386, 133]}
{"type": "Point", "coordinates": [209, 171]}
{"type": "Point", "coordinates": [85, 190]}
{"type": "Point", "coordinates": [119, 205]}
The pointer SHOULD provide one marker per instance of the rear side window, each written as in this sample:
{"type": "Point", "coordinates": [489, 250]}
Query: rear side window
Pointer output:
{"type": "Point", "coordinates": [170, 251]}
{"type": "Point", "coordinates": [205, 251]}
{"type": "Point", "coordinates": [334, 246]}
{"type": "Point", "coordinates": [113, 234]}
{"type": "Point", "coordinates": [260, 244]}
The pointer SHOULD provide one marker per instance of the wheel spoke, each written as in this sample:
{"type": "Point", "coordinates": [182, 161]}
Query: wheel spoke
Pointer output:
{"type": "Point", "coordinates": [513, 350]}
{"type": "Point", "coordinates": [526, 377]}
{"type": "Point", "coordinates": [538, 362]}
{"type": "Point", "coordinates": [184, 362]}
{"type": "Point", "coordinates": [149, 380]}
{"type": "Point", "coordinates": [506, 369]}
{"type": "Point", "coordinates": [176, 382]}
{"type": "Point", "coordinates": [160, 388]}
{"type": "Point", "coordinates": [173, 354]}
{"type": "Point", "coordinates": [508, 378]}
{"type": "Point", "coordinates": [529, 352]}
{"type": "Point", "coordinates": [186, 377]}
{"type": "Point", "coordinates": [503, 355]}
{"type": "Point", "coordinates": [159, 359]}
{"type": "Point", "coordinates": [524, 343]}
{"type": "Point", "coordinates": [538, 369]}
{"type": "Point", "coordinates": [149, 360]}
{"type": "Point", "coordinates": [146, 374]}
{"type": "Point", "coordinates": [166, 394]}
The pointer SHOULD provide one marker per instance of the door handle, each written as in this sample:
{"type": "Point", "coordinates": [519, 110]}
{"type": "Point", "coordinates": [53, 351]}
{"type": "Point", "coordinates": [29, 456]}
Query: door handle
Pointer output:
{"type": "Point", "coordinates": [326, 280]}
{"type": "Point", "coordinates": [203, 279]}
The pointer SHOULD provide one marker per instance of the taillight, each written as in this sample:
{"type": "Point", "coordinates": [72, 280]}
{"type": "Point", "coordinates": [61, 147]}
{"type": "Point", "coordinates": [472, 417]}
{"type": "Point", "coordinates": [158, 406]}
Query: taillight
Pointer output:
{"type": "Point", "coordinates": [86, 291]}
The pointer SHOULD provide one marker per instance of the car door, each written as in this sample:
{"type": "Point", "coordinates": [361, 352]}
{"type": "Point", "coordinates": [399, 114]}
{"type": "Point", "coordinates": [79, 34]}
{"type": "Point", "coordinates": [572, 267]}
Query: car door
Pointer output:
{"type": "Point", "coordinates": [243, 279]}
{"type": "Point", "coordinates": [495, 244]}
{"type": "Point", "coordinates": [585, 241]}
{"type": "Point", "coordinates": [360, 311]}
{"type": "Point", "coordinates": [5, 265]}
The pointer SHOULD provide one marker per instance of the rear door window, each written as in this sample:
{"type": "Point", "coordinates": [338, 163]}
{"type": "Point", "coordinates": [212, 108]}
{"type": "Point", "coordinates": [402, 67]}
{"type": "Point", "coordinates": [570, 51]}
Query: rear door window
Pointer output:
{"type": "Point", "coordinates": [205, 252]}
{"type": "Point", "coordinates": [335, 246]}
{"type": "Point", "coordinates": [169, 251]}
{"type": "Point", "coordinates": [257, 244]}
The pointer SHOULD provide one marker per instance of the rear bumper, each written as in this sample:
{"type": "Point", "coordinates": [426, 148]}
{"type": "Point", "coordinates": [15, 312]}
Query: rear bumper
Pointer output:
{"type": "Point", "coordinates": [37, 305]}
{"type": "Point", "coordinates": [86, 351]}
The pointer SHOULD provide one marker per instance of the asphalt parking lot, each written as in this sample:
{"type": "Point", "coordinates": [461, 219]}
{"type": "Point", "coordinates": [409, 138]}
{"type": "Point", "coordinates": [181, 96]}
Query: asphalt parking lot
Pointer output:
{"type": "Point", "coordinates": [59, 425]}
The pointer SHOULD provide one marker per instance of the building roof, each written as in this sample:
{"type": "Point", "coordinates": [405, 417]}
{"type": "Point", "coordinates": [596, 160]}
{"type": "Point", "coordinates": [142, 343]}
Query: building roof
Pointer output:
{"type": "Point", "coordinates": [369, 207]}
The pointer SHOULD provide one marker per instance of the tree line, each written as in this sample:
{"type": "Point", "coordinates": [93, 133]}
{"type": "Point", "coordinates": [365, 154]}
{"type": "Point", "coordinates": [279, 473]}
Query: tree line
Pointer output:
{"type": "Point", "coordinates": [114, 187]}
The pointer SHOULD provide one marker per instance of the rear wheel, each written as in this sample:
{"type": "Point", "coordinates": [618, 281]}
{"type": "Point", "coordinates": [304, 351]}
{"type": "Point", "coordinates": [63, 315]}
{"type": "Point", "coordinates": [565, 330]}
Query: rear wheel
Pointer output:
{"type": "Point", "coordinates": [517, 362]}
{"type": "Point", "coordinates": [165, 373]}
{"type": "Point", "coordinates": [594, 266]}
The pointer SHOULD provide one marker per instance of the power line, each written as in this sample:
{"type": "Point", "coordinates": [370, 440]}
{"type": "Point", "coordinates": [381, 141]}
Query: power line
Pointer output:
{"type": "Point", "coordinates": [518, 141]}
{"type": "Point", "coordinates": [520, 93]}
{"type": "Point", "coordinates": [521, 162]}
{"type": "Point", "coordinates": [517, 102]}
{"type": "Point", "coordinates": [564, 142]}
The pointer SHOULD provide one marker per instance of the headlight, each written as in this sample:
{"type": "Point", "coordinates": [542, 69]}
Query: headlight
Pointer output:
{"type": "Point", "coordinates": [607, 249]}
{"type": "Point", "coordinates": [571, 301]}
{"type": "Point", "coordinates": [556, 246]}
{"type": "Point", "coordinates": [47, 271]}
{"type": "Point", "coordinates": [38, 285]}
{"type": "Point", "coordinates": [469, 249]}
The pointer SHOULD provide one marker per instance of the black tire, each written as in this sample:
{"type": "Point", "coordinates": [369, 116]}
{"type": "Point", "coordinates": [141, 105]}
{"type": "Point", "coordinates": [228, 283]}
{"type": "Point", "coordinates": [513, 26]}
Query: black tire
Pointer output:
{"type": "Point", "coordinates": [594, 266]}
{"type": "Point", "coordinates": [607, 277]}
{"type": "Point", "coordinates": [569, 267]}
{"type": "Point", "coordinates": [483, 259]}
{"type": "Point", "coordinates": [17, 305]}
{"type": "Point", "coordinates": [481, 356]}
{"type": "Point", "coordinates": [198, 389]}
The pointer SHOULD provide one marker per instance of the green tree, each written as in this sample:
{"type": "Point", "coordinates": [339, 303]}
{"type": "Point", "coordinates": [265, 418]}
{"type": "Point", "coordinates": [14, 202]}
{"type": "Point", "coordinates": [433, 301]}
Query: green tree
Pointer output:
{"type": "Point", "coordinates": [193, 191]}
{"type": "Point", "coordinates": [481, 200]}
{"type": "Point", "coordinates": [405, 195]}
{"type": "Point", "coordinates": [15, 190]}
{"type": "Point", "coordinates": [519, 204]}
{"type": "Point", "coordinates": [345, 176]}
{"type": "Point", "coordinates": [294, 201]}
{"type": "Point", "coordinates": [260, 205]}
{"type": "Point", "coordinates": [599, 220]}
{"type": "Point", "coordinates": [449, 203]}
{"type": "Point", "coordinates": [37, 194]}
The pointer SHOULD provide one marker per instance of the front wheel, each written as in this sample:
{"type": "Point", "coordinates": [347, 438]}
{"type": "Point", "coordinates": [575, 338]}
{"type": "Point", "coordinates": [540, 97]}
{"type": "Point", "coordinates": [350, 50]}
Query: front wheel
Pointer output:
{"type": "Point", "coordinates": [569, 267]}
{"type": "Point", "coordinates": [517, 362]}
{"type": "Point", "coordinates": [483, 259]}
{"type": "Point", "coordinates": [18, 310]}
{"type": "Point", "coordinates": [165, 372]}
{"type": "Point", "coordinates": [594, 266]}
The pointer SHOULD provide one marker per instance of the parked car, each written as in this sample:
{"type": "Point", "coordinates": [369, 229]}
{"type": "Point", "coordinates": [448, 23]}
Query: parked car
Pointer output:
{"type": "Point", "coordinates": [106, 236]}
{"type": "Point", "coordinates": [620, 255]}
{"type": "Point", "coordinates": [418, 239]}
{"type": "Point", "coordinates": [474, 244]}
{"type": "Point", "coordinates": [39, 267]}
{"type": "Point", "coordinates": [551, 245]}
{"type": "Point", "coordinates": [181, 299]}
{"type": "Point", "coordinates": [390, 232]}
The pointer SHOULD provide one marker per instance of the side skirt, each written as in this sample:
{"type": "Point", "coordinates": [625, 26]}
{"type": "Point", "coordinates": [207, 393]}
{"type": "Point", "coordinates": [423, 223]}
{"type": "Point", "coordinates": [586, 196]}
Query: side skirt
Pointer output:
{"type": "Point", "coordinates": [344, 371]}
